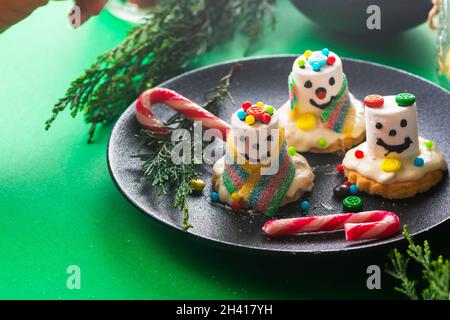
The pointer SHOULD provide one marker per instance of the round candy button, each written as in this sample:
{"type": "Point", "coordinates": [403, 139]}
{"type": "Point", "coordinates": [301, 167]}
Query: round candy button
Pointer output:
{"type": "Point", "coordinates": [352, 203]}
{"type": "Point", "coordinates": [405, 99]}
{"type": "Point", "coordinates": [374, 101]}
{"type": "Point", "coordinates": [391, 165]}
{"type": "Point", "coordinates": [255, 111]}
{"type": "Point", "coordinates": [214, 196]}
{"type": "Point", "coordinates": [306, 121]}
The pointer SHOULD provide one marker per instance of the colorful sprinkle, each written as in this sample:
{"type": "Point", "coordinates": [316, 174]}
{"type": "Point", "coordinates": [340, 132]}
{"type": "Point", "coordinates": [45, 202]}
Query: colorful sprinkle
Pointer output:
{"type": "Point", "coordinates": [292, 151]}
{"type": "Point", "coordinates": [241, 114]}
{"type": "Point", "coordinates": [374, 101]}
{"type": "Point", "coordinates": [340, 168]}
{"type": "Point", "coordinates": [352, 203]}
{"type": "Point", "coordinates": [354, 189]}
{"type": "Point", "coordinates": [325, 52]}
{"type": "Point", "coordinates": [250, 120]}
{"type": "Point", "coordinates": [308, 54]}
{"type": "Point", "coordinates": [301, 63]}
{"type": "Point", "coordinates": [405, 99]}
{"type": "Point", "coordinates": [419, 162]}
{"type": "Point", "coordinates": [214, 196]}
{"type": "Point", "coordinates": [316, 66]}
{"type": "Point", "coordinates": [322, 143]}
{"type": "Point", "coordinates": [235, 196]}
{"type": "Point", "coordinates": [197, 184]}
{"type": "Point", "coordinates": [341, 191]}
{"type": "Point", "coordinates": [246, 105]}
{"type": "Point", "coordinates": [304, 205]}
{"type": "Point", "coordinates": [359, 154]}
{"type": "Point", "coordinates": [391, 165]}
{"type": "Point", "coordinates": [270, 110]}
{"type": "Point", "coordinates": [331, 60]}
{"type": "Point", "coordinates": [428, 144]}
{"type": "Point", "coordinates": [265, 118]}
{"type": "Point", "coordinates": [235, 205]}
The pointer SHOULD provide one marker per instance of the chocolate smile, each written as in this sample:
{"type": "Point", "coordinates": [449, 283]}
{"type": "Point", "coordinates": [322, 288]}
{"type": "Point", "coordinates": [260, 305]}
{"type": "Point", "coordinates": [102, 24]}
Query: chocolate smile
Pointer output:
{"type": "Point", "coordinates": [399, 148]}
{"type": "Point", "coordinates": [323, 105]}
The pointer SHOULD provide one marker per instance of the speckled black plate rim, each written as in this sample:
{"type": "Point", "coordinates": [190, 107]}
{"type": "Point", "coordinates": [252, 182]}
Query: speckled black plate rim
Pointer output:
{"type": "Point", "coordinates": [372, 244]}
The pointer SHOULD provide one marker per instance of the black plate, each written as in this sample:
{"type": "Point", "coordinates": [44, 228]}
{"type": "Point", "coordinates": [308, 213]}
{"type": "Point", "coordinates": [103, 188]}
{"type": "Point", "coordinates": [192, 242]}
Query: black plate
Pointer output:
{"type": "Point", "coordinates": [265, 79]}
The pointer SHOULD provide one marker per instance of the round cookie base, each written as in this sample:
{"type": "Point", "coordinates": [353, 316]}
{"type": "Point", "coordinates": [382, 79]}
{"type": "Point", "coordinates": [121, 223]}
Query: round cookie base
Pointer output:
{"type": "Point", "coordinates": [397, 190]}
{"type": "Point", "coordinates": [340, 145]}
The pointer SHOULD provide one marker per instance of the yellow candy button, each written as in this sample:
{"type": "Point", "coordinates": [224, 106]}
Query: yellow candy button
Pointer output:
{"type": "Point", "coordinates": [391, 165]}
{"type": "Point", "coordinates": [234, 196]}
{"type": "Point", "coordinates": [306, 121]}
{"type": "Point", "coordinates": [260, 104]}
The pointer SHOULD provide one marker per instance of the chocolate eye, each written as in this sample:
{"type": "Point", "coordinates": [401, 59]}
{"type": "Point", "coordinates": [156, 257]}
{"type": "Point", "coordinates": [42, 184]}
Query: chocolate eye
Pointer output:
{"type": "Point", "coordinates": [332, 81]}
{"type": "Point", "coordinates": [268, 153]}
{"type": "Point", "coordinates": [242, 138]}
{"type": "Point", "coordinates": [378, 125]}
{"type": "Point", "coordinates": [403, 123]}
{"type": "Point", "coordinates": [269, 137]}
{"type": "Point", "coordinates": [308, 84]}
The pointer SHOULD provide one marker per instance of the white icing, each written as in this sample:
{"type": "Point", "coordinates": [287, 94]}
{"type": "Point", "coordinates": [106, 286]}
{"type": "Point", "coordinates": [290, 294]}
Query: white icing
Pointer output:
{"type": "Point", "coordinates": [305, 140]}
{"type": "Point", "coordinates": [371, 167]}
{"type": "Point", "coordinates": [318, 79]}
{"type": "Point", "coordinates": [303, 178]}
{"type": "Point", "coordinates": [389, 118]}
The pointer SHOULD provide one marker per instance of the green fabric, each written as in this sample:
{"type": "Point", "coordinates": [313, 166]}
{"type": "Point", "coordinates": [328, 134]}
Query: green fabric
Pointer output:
{"type": "Point", "coordinates": [58, 205]}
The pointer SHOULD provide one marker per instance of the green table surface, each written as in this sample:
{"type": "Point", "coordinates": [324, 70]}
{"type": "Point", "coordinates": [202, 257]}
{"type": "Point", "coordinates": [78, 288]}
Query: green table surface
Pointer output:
{"type": "Point", "coordinates": [59, 206]}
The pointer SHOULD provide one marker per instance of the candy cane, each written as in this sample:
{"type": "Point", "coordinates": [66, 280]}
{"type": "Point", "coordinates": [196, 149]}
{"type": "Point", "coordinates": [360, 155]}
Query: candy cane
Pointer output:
{"type": "Point", "coordinates": [357, 226]}
{"type": "Point", "coordinates": [177, 102]}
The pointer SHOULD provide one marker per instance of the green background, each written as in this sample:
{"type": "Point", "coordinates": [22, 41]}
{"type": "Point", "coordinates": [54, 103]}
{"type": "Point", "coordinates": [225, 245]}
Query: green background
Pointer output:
{"type": "Point", "coordinates": [59, 206]}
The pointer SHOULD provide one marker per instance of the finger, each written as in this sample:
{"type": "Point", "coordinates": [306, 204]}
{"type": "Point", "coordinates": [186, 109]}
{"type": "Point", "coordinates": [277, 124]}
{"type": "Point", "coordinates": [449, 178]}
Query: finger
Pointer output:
{"type": "Point", "coordinates": [89, 8]}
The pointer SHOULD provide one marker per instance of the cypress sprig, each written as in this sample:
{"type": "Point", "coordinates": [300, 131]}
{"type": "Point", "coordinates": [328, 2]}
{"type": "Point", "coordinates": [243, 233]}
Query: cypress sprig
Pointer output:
{"type": "Point", "coordinates": [175, 32]}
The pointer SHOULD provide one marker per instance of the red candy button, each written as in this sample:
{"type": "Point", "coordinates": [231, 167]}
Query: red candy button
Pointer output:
{"type": "Point", "coordinates": [255, 111]}
{"type": "Point", "coordinates": [331, 60]}
{"type": "Point", "coordinates": [246, 105]}
{"type": "Point", "coordinates": [359, 154]}
{"type": "Point", "coordinates": [374, 101]}
{"type": "Point", "coordinates": [265, 118]}
{"type": "Point", "coordinates": [340, 168]}
{"type": "Point", "coordinates": [348, 183]}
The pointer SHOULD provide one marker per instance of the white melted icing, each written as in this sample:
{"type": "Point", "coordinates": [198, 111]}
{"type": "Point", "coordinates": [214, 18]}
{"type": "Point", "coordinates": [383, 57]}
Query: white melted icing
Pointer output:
{"type": "Point", "coordinates": [371, 167]}
{"type": "Point", "coordinates": [305, 140]}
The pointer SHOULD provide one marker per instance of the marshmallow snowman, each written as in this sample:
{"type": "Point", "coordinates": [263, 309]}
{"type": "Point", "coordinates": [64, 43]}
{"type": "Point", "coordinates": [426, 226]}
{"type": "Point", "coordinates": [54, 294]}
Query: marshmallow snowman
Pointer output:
{"type": "Point", "coordinates": [315, 81]}
{"type": "Point", "coordinates": [255, 141]}
{"type": "Point", "coordinates": [391, 126]}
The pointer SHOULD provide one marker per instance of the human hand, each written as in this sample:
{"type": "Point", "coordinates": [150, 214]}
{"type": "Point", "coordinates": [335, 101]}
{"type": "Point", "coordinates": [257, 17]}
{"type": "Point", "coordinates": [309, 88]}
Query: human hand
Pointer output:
{"type": "Point", "coordinates": [13, 11]}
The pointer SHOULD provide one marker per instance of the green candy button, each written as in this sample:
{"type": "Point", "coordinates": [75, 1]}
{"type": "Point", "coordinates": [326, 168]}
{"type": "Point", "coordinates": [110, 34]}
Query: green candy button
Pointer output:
{"type": "Point", "coordinates": [405, 99]}
{"type": "Point", "coordinates": [352, 203]}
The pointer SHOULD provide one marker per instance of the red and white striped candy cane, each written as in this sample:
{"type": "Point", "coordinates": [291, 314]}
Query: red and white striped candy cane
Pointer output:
{"type": "Point", "coordinates": [357, 226]}
{"type": "Point", "coordinates": [180, 104]}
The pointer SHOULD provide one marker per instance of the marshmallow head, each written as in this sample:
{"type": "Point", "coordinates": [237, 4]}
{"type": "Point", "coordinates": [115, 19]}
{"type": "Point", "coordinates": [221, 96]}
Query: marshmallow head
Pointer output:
{"type": "Point", "coordinates": [315, 80]}
{"type": "Point", "coordinates": [258, 141]}
{"type": "Point", "coordinates": [391, 126]}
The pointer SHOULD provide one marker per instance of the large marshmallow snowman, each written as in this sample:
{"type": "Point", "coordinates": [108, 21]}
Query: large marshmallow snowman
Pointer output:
{"type": "Point", "coordinates": [391, 126]}
{"type": "Point", "coordinates": [256, 143]}
{"type": "Point", "coordinates": [315, 81]}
